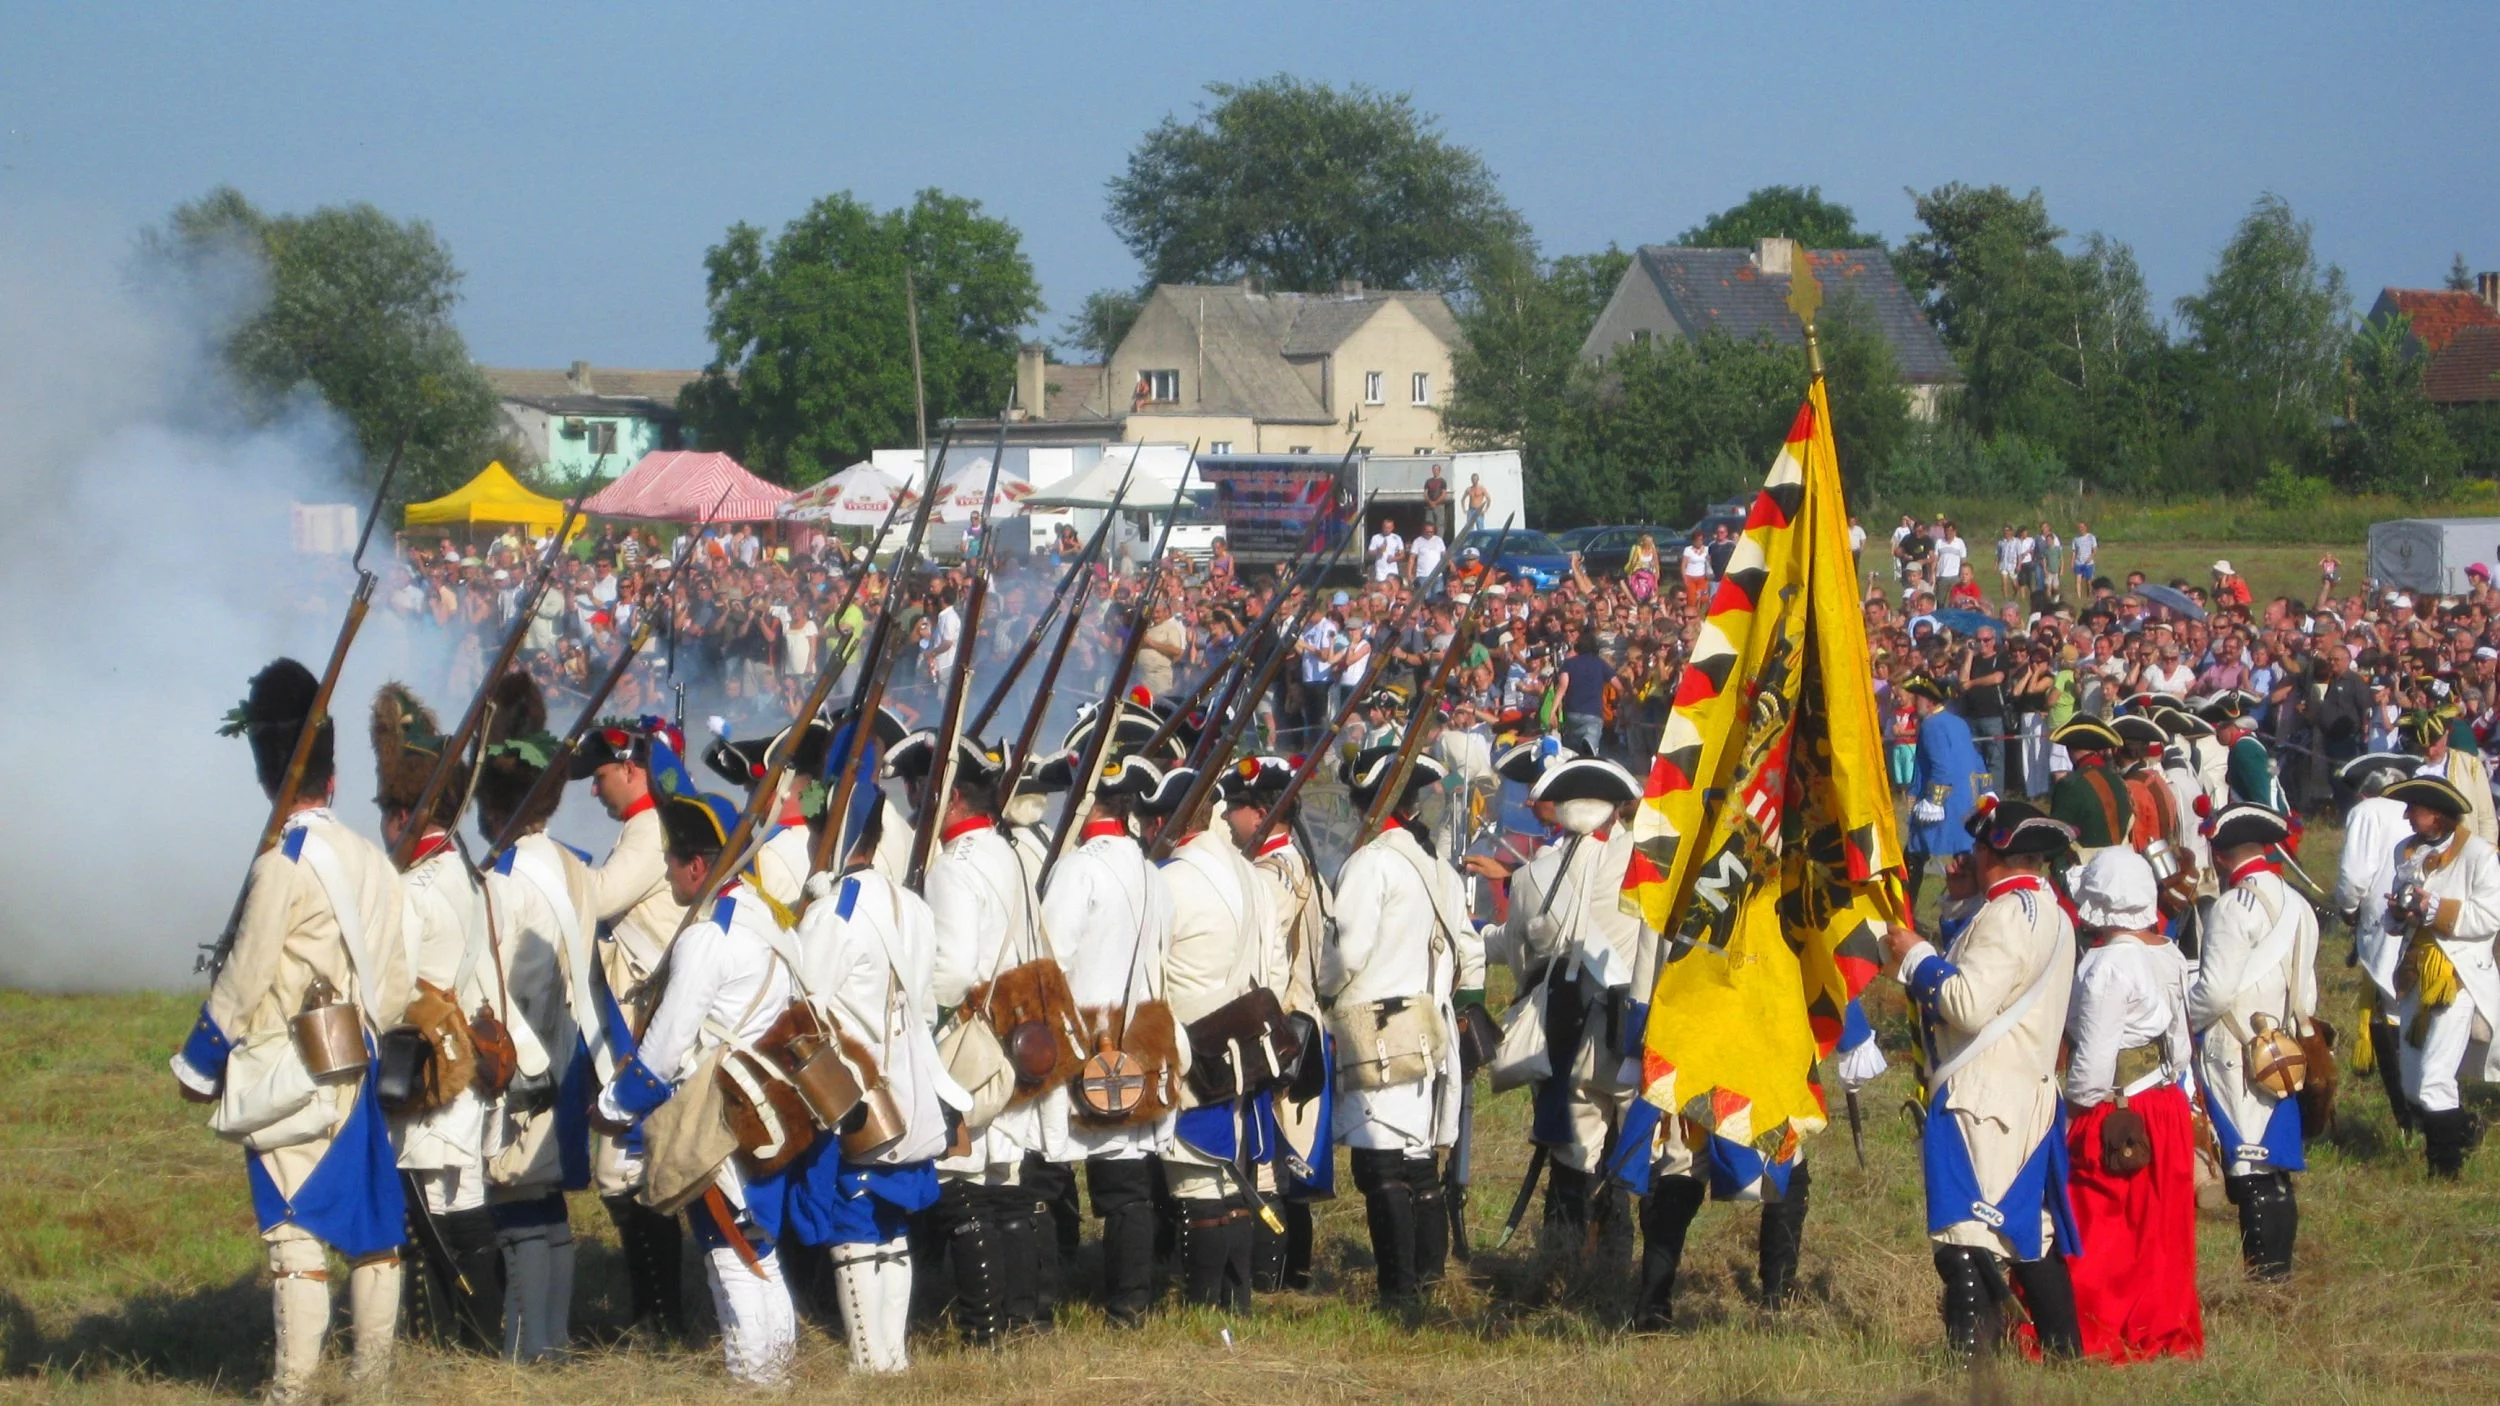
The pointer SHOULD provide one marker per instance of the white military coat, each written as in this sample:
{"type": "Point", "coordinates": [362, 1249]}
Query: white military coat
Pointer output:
{"type": "Point", "coordinates": [1402, 931]}
{"type": "Point", "coordinates": [1109, 914]}
{"type": "Point", "coordinates": [2260, 957]}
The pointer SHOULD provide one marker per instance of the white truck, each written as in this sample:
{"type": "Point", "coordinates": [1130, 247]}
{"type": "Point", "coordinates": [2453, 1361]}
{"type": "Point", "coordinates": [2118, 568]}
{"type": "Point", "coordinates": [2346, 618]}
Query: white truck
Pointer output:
{"type": "Point", "coordinates": [1265, 500]}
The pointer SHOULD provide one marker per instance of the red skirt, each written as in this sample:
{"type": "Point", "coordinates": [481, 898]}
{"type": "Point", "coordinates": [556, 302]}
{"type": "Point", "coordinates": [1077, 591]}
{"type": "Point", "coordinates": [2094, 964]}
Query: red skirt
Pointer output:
{"type": "Point", "coordinates": [2135, 1282]}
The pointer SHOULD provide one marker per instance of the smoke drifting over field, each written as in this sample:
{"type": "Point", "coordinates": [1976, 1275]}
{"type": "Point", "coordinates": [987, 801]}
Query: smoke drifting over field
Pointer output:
{"type": "Point", "coordinates": [146, 573]}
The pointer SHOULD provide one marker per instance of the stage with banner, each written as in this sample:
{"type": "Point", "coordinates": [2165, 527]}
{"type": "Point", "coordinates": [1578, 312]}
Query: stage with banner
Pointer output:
{"type": "Point", "coordinates": [1267, 501]}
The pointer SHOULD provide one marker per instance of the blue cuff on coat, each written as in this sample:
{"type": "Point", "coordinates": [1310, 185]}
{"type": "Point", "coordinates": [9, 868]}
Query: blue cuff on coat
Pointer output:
{"type": "Point", "coordinates": [1927, 981]}
{"type": "Point", "coordinates": [638, 1091]}
{"type": "Point", "coordinates": [207, 1048]}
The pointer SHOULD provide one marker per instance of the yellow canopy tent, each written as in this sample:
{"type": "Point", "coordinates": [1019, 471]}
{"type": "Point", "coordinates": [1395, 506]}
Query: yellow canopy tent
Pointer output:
{"type": "Point", "coordinates": [494, 496]}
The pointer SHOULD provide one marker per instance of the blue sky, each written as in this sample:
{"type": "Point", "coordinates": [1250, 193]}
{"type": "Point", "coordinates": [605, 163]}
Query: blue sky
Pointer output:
{"type": "Point", "coordinates": [579, 158]}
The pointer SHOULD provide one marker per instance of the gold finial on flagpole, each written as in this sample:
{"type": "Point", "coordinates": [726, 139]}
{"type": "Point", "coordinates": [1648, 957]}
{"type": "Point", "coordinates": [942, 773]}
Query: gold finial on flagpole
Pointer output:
{"type": "Point", "coordinates": [1805, 298]}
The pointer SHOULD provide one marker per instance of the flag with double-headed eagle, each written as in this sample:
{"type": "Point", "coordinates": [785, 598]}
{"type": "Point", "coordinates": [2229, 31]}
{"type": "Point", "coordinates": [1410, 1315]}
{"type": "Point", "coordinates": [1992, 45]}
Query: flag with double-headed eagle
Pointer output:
{"type": "Point", "coordinates": [1767, 853]}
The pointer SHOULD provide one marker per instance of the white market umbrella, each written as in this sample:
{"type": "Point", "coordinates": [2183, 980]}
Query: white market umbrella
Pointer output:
{"type": "Point", "coordinates": [859, 496]}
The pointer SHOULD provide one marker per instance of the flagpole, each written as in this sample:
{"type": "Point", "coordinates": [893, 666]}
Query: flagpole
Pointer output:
{"type": "Point", "coordinates": [1805, 298]}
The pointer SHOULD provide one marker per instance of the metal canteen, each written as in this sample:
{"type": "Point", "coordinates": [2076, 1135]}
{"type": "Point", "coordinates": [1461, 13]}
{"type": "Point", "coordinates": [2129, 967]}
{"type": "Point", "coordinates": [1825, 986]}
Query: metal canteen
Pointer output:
{"type": "Point", "coordinates": [330, 1036]}
{"type": "Point", "coordinates": [880, 1116]}
{"type": "Point", "coordinates": [2164, 859]}
{"type": "Point", "coordinates": [2274, 1059]}
{"type": "Point", "coordinates": [828, 1083]}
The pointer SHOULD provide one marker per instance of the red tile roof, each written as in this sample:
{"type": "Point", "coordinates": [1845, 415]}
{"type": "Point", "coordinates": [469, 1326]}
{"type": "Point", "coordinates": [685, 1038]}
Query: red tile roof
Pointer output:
{"type": "Point", "coordinates": [2469, 370]}
{"type": "Point", "coordinates": [2438, 314]}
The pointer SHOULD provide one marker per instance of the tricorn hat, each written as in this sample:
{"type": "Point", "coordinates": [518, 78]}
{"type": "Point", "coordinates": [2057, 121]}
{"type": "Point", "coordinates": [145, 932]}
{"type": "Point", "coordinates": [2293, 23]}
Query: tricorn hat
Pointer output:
{"type": "Point", "coordinates": [271, 717]}
{"type": "Point", "coordinates": [1926, 686]}
{"type": "Point", "coordinates": [2018, 827]}
{"type": "Point", "coordinates": [1586, 791]}
{"type": "Point", "coordinates": [2245, 823]}
{"type": "Point", "coordinates": [1256, 780]}
{"type": "Point", "coordinates": [1168, 791]}
{"type": "Point", "coordinates": [2086, 733]}
{"type": "Point", "coordinates": [2358, 772]}
{"type": "Point", "coordinates": [2136, 728]}
{"type": "Point", "coordinates": [910, 758]}
{"type": "Point", "coordinates": [1367, 771]}
{"type": "Point", "coordinates": [1524, 762]}
{"type": "Point", "coordinates": [407, 745]}
{"type": "Point", "coordinates": [2431, 793]}
{"type": "Point", "coordinates": [2228, 705]}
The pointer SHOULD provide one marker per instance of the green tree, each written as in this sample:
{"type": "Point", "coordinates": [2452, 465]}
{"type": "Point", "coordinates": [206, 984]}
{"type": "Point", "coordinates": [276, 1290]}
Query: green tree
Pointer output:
{"type": "Point", "coordinates": [2265, 341]}
{"type": "Point", "coordinates": [1963, 231]}
{"type": "Point", "coordinates": [1524, 323]}
{"type": "Point", "coordinates": [1792, 212]}
{"type": "Point", "coordinates": [1303, 185]}
{"type": "Point", "coordinates": [1096, 329]}
{"type": "Point", "coordinates": [2394, 440]}
{"type": "Point", "coordinates": [2460, 275]}
{"type": "Point", "coordinates": [355, 306]}
{"type": "Point", "coordinates": [811, 364]}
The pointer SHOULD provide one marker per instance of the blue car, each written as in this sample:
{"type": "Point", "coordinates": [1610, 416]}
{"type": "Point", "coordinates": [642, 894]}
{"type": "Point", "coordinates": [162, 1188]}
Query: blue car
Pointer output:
{"type": "Point", "coordinates": [1520, 553]}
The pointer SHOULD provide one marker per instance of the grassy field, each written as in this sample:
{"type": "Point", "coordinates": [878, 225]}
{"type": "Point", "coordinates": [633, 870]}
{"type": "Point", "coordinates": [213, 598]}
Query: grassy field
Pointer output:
{"type": "Point", "coordinates": [128, 1270]}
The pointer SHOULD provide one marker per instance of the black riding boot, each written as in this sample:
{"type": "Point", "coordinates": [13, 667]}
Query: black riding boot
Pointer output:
{"type": "Point", "coordinates": [458, 1299]}
{"type": "Point", "coordinates": [960, 1221]}
{"type": "Point", "coordinates": [1432, 1221]}
{"type": "Point", "coordinates": [1012, 1225]}
{"type": "Point", "coordinates": [2268, 1221]}
{"type": "Point", "coordinates": [1566, 1207]}
{"type": "Point", "coordinates": [1783, 1236]}
{"type": "Point", "coordinates": [1214, 1254]}
{"type": "Point", "coordinates": [1974, 1322]}
{"type": "Point", "coordinates": [2447, 1136]}
{"type": "Point", "coordinates": [1123, 1193]}
{"type": "Point", "coordinates": [2385, 1041]}
{"type": "Point", "coordinates": [655, 1250]}
{"type": "Point", "coordinates": [1389, 1213]}
{"type": "Point", "coordinates": [1665, 1217]}
{"type": "Point", "coordinates": [1297, 1245]}
{"type": "Point", "coordinates": [2049, 1296]}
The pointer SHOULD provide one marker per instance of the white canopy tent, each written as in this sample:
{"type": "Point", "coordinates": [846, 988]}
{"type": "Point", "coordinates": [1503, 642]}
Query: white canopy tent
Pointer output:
{"type": "Point", "coordinates": [1159, 471]}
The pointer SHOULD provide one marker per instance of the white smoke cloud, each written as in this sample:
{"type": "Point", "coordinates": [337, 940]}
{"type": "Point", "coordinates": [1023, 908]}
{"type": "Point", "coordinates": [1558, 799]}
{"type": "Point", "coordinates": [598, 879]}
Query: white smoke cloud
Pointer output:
{"type": "Point", "coordinates": [146, 573]}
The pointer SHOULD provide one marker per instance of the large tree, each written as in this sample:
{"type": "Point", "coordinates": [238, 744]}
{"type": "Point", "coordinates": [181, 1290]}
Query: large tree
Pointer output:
{"type": "Point", "coordinates": [1524, 323]}
{"type": "Point", "coordinates": [2266, 339]}
{"type": "Point", "coordinates": [2394, 440]}
{"type": "Point", "coordinates": [356, 306]}
{"type": "Point", "coordinates": [1303, 185]}
{"type": "Point", "coordinates": [1097, 327]}
{"type": "Point", "coordinates": [811, 363]}
{"type": "Point", "coordinates": [1792, 212]}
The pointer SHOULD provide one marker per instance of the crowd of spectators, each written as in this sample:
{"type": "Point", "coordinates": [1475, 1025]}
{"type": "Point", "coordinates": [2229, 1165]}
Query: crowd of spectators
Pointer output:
{"type": "Point", "coordinates": [1592, 658]}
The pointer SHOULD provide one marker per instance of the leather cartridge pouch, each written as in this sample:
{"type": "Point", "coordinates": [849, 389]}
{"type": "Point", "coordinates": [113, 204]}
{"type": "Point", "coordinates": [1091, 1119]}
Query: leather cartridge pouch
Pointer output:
{"type": "Point", "coordinates": [432, 1080]}
{"type": "Point", "coordinates": [1241, 1047]}
{"type": "Point", "coordinates": [1382, 1043]}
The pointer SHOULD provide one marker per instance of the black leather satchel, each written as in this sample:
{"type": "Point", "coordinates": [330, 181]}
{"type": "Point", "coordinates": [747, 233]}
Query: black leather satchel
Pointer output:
{"type": "Point", "coordinates": [1307, 1079]}
{"type": "Point", "coordinates": [1242, 1047]}
{"type": "Point", "coordinates": [403, 1066]}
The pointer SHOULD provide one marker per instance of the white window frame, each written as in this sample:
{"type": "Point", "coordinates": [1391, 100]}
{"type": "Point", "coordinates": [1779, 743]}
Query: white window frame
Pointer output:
{"type": "Point", "coordinates": [1375, 387]}
{"type": "Point", "coordinates": [1221, 446]}
{"type": "Point", "coordinates": [1159, 382]}
{"type": "Point", "coordinates": [1422, 388]}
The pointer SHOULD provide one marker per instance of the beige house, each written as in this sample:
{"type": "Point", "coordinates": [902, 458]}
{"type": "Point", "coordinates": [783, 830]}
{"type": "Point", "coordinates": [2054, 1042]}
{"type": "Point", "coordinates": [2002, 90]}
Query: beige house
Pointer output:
{"type": "Point", "coordinates": [1241, 371]}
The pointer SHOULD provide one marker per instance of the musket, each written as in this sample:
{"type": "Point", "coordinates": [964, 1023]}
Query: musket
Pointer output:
{"type": "Point", "coordinates": [1030, 731]}
{"type": "Point", "coordinates": [1215, 744]}
{"type": "Point", "coordinates": [1318, 751]}
{"type": "Point", "coordinates": [1412, 744]}
{"type": "Point", "coordinates": [1068, 587]}
{"type": "Point", "coordinates": [458, 742]}
{"type": "Point", "coordinates": [291, 785]}
{"type": "Point", "coordinates": [1527, 1193]}
{"type": "Point", "coordinates": [1306, 575]}
{"type": "Point", "coordinates": [559, 766]}
{"type": "Point", "coordinates": [870, 692]}
{"type": "Point", "coordinates": [1857, 1126]}
{"type": "Point", "coordinates": [941, 778]}
{"type": "Point", "coordinates": [1460, 1173]}
{"type": "Point", "coordinates": [1107, 717]}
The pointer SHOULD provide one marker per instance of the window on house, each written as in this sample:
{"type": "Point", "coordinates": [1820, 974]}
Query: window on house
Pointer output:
{"type": "Point", "coordinates": [1372, 391]}
{"type": "Point", "coordinates": [1423, 388]}
{"type": "Point", "coordinates": [1299, 449]}
{"type": "Point", "coordinates": [1162, 387]}
{"type": "Point", "coordinates": [1639, 335]}
{"type": "Point", "coordinates": [1221, 446]}
{"type": "Point", "coordinates": [602, 437]}
{"type": "Point", "coordinates": [1425, 451]}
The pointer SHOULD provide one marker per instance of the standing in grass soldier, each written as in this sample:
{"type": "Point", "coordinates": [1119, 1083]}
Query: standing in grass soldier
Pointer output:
{"type": "Point", "coordinates": [1111, 914]}
{"type": "Point", "coordinates": [725, 986]}
{"type": "Point", "coordinates": [2092, 799]}
{"type": "Point", "coordinates": [635, 917]}
{"type": "Point", "coordinates": [2256, 988]}
{"type": "Point", "coordinates": [539, 1148]}
{"type": "Point", "coordinates": [1303, 1168]}
{"type": "Point", "coordinates": [2431, 733]}
{"type": "Point", "coordinates": [2131, 1149]}
{"type": "Point", "coordinates": [1567, 932]}
{"type": "Point", "coordinates": [867, 954]}
{"type": "Point", "coordinates": [1993, 1009]}
{"type": "Point", "coordinates": [1404, 958]}
{"type": "Point", "coordinates": [1947, 778]}
{"type": "Point", "coordinates": [320, 926]}
{"type": "Point", "coordinates": [2446, 902]}
{"type": "Point", "coordinates": [2248, 774]}
{"type": "Point", "coordinates": [441, 1126]}
{"type": "Point", "coordinates": [1219, 975]}
{"type": "Point", "coordinates": [2375, 829]}
{"type": "Point", "coordinates": [988, 935]}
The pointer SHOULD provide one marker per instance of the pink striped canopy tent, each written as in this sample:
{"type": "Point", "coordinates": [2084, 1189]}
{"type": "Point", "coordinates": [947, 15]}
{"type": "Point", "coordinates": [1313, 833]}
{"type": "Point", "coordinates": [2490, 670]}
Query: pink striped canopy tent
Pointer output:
{"type": "Point", "coordinates": [681, 485]}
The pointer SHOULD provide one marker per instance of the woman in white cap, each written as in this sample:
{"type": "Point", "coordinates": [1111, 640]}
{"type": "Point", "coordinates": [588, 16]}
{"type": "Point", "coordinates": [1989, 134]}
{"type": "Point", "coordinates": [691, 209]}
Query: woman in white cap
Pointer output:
{"type": "Point", "coordinates": [2131, 1141]}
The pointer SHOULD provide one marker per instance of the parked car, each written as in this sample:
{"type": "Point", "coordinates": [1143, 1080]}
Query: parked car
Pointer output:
{"type": "Point", "coordinates": [1603, 550]}
{"type": "Point", "coordinates": [1520, 552]}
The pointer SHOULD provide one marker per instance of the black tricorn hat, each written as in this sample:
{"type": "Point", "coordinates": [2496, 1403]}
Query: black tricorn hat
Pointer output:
{"type": "Point", "coordinates": [909, 759]}
{"type": "Point", "coordinates": [2018, 827]}
{"type": "Point", "coordinates": [743, 764]}
{"type": "Point", "coordinates": [2086, 733]}
{"type": "Point", "coordinates": [2246, 823]}
{"type": "Point", "coordinates": [2431, 793]}
{"type": "Point", "coordinates": [1256, 780]}
{"type": "Point", "coordinates": [1586, 779]}
{"type": "Point", "coordinates": [271, 717]}
{"type": "Point", "coordinates": [1524, 762]}
{"type": "Point", "coordinates": [1925, 686]}
{"type": "Point", "coordinates": [1365, 773]}
{"type": "Point", "coordinates": [2135, 727]}
{"type": "Point", "coordinates": [1168, 791]}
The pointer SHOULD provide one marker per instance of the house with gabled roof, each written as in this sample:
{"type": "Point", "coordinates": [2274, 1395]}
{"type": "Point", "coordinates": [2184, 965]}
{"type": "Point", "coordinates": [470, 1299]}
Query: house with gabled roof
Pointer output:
{"type": "Point", "coordinates": [1240, 370]}
{"type": "Point", "coordinates": [1673, 290]}
{"type": "Point", "coordinates": [590, 421]}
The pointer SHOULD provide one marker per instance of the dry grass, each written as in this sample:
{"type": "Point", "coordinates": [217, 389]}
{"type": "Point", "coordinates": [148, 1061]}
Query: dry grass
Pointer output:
{"type": "Point", "coordinates": [128, 1270]}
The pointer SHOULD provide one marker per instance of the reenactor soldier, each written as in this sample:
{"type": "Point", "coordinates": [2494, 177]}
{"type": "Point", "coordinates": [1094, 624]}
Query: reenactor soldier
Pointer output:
{"type": "Point", "coordinates": [1405, 957]}
{"type": "Point", "coordinates": [634, 918]}
{"type": "Point", "coordinates": [2446, 902]}
{"type": "Point", "coordinates": [442, 1131]}
{"type": "Point", "coordinates": [319, 929]}
{"type": "Point", "coordinates": [1992, 1011]}
{"type": "Point", "coordinates": [2429, 734]}
{"type": "Point", "coordinates": [2374, 829]}
{"type": "Point", "coordinates": [1218, 957]}
{"type": "Point", "coordinates": [725, 984]}
{"type": "Point", "coordinates": [2248, 772]}
{"type": "Point", "coordinates": [2092, 799]}
{"type": "Point", "coordinates": [2257, 974]}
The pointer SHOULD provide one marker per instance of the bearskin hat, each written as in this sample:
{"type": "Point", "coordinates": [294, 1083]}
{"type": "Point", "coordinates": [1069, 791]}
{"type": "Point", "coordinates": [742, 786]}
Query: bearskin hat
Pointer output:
{"type": "Point", "coordinates": [518, 749]}
{"type": "Point", "coordinates": [271, 717]}
{"type": "Point", "coordinates": [407, 744]}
